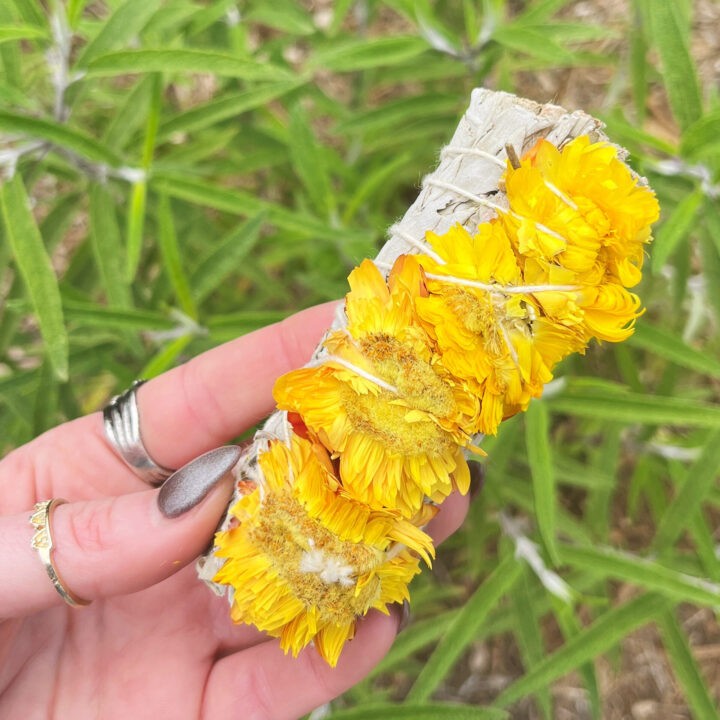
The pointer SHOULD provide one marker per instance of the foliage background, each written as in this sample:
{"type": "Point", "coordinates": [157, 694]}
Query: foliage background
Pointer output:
{"type": "Point", "coordinates": [198, 169]}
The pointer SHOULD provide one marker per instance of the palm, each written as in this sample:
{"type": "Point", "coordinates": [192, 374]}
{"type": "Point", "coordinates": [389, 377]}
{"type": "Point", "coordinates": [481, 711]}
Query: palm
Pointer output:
{"type": "Point", "coordinates": [155, 642]}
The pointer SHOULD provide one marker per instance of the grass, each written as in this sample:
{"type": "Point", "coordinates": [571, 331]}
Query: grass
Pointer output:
{"type": "Point", "coordinates": [189, 171]}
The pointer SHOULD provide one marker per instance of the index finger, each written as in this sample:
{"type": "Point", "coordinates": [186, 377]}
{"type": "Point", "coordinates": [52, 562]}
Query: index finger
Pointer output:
{"type": "Point", "coordinates": [215, 396]}
{"type": "Point", "coordinates": [183, 413]}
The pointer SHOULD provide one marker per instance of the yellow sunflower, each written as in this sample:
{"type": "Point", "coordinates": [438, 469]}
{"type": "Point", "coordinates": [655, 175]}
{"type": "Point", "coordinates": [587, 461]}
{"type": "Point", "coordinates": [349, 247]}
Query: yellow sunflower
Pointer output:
{"type": "Point", "coordinates": [305, 560]}
{"type": "Point", "coordinates": [397, 420]}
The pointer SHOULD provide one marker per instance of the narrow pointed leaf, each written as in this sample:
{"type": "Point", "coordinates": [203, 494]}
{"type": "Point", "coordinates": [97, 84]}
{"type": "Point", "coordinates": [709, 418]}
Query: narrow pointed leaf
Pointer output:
{"type": "Point", "coordinates": [119, 29]}
{"type": "Point", "coordinates": [686, 669]}
{"type": "Point", "coordinates": [226, 257]}
{"type": "Point", "coordinates": [172, 264]}
{"type": "Point", "coordinates": [631, 408]}
{"type": "Point", "coordinates": [606, 632]}
{"type": "Point", "coordinates": [537, 428]}
{"type": "Point", "coordinates": [463, 630]}
{"type": "Point", "coordinates": [184, 61]}
{"type": "Point", "coordinates": [699, 480]}
{"type": "Point", "coordinates": [610, 563]}
{"type": "Point", "coordinates": [367, 53]}
{"type": "Point", "coordinates": [61, 135]}
{"type": "Point", "coordinates": [675, 229]}
{"type": "Point", "coordinates": [225, 107]}
{"type": "Point", "coordinates": [664, 343]}
{"type": "Point", "coordinates": [37, 273]}
{"type": "Point", "coordinates": [681, 81]}
{"type": "Point", "coordinates": [406, 711]}
{"type": "Point", "coordinates": [10, 33]}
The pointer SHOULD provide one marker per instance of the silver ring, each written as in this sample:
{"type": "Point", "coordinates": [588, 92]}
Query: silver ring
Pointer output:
{"type": "Point", "coordinates": [122, 428]}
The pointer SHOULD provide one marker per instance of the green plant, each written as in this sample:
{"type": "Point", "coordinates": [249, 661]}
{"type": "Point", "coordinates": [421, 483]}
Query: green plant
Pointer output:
{"type": "Point", "coordinates": [178, 173]}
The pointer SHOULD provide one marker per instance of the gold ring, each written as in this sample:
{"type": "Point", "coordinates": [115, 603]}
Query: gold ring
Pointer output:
{"type": "Point", "coordinates": [42, 542]}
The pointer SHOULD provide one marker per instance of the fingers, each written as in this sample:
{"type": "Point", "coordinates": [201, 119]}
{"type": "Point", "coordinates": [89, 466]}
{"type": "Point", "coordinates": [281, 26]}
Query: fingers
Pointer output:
{"type": "Point", "coordinates": [185, 412]}
{"type": "Point", "coordinates": [450, 517]}
{"type": "Point", "coordinates": [117, 545]}
{"type": "Point", "coordinates": [269, 685]}
{"type": "Point", "coordinates": [217, 395]}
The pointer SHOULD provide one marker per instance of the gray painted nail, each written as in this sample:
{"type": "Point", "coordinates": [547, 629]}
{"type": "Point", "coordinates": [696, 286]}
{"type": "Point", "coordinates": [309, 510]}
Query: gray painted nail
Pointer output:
{"type": "Point", "coordinates": [186, 487]}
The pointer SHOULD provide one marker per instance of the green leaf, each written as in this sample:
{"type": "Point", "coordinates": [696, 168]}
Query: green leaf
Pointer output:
{"type": "Point", "coordinates": [75, 10]}
{"type": "Point", "coordinates": [172, 261]}
{"type": "Point", "coordinates": [11, 33]}
{"type": "Point", "coordinates": [463, 630]}
{"type": "Point", "coordinates": [631, 408]}
{"type": "Point", "coordinates": [537, 429]}
{"type": "Point", "coordinates": [107, 247]}
{"type": "Point", "coordinates": [668, 345]}
{"type": "Point", "coordinates": [113, 317]}
{"type": "Point", "coordinates": [135, 228]}
{"type": "Point", "coordinates": [672, 40]}
{"type": "Point", "coordinates": [129, 114]}
{"type": "Point", "coordinates": [166, 357]}
{"type": "Point", "coordinates": [431, 711]}
{"type": "Point", "coordinates": [529, 638]}
{"type": "Point", "coordinates": [699, 480]}
{"type": "Point", "coordinates": [30, 11]}
{"type": "Point", "coordinates": [399, 114]}
{"type": "Point", "coordinates": [118, 29]}
{"type": "Point", "coordinates": [606, 632]}
{"type": "Point", "coordinates": [710, 264]}
{"type": "Point", "coordinates": [184, 61]}
{"type": "Point", "coordinates": [532, 42]}
{"type": "Point", "coordinates": [284, 15]}
{"type": "Point", "coordinates": [610, 563]}
{"type": "Point", "coordinates": [675, 229]}
{"type": "Point", "coordinates": [308, 162]}
{"type": "Point", "coordinates": [701, 136]}
{"type": "Point", "coordinates": [61, 135]}
{"type": "Point", "coordinates": [226, 257]}
{"type": "Point", "coordinates": [229, 105]}
{"type": "Point", "coordinates": [364, 53]}
{"type": "Point", "coordinates": [238, 202]}
{"type": "Point", "coordinates": [138, 198]}
{"type": "Point", "coordinates": [37, 273]}
{"type": "Point", "coordinates": [372, 182]}
{"type": "Point", "coordinates": [697, 693]}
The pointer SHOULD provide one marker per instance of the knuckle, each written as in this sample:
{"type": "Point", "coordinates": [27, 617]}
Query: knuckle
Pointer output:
{"type": "Point", "coordinates": [90, 527]}
{"type": "Point", "coordinates": [258, 695]}
{"type": "Point", "coordinates": [202, 404]}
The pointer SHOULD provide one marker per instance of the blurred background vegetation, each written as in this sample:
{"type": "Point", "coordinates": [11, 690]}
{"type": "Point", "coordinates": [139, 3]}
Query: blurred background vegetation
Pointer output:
{"type": "Point", "coordinates": [179, 172]}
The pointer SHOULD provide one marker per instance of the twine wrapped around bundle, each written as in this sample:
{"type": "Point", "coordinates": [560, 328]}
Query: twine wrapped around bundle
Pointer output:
{"type": "Point", "coordinates": [331, 497]}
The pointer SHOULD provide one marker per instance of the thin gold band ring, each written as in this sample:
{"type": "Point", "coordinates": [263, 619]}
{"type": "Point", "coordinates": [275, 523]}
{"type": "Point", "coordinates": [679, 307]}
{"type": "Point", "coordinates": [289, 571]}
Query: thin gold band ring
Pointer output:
{"type": "Point", "coordinates": [42, 542]}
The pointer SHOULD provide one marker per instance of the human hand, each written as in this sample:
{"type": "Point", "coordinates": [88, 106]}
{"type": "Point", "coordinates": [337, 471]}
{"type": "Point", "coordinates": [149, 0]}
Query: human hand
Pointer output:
{"type": "Point", "coordinates": [155, 642]}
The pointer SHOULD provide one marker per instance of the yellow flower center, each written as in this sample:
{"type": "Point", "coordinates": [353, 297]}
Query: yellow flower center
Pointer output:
{"type": "Point", "coordinates": [418, 385]}
{"type": "Point", "coordinates": [493, 317]}
{"type": "Point", "coordinates": [299, 545]}
{"type": "Point", "coordinates": [387, 422]}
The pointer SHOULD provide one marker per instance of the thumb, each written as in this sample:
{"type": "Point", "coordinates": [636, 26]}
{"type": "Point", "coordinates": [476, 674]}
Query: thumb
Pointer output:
{"type": "Point", "coordinates": [117, 545]}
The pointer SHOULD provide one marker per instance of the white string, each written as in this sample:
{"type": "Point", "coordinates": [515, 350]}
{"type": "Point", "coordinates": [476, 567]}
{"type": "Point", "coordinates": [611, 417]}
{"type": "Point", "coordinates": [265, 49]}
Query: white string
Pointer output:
{"type": "Point", "coordinates": [419, 244]}
{"type": "Point", "coordinates": [355, 369]}
{"type": "Point", "coordinates": [506, 289]}
{"type": "Point", "coordinates": [453, 150]}
{"type": "Point", "coordinates": [493, 206]}
{"type": "Point", "coordinates": [464, 193]}
{"type": "Point", "coordinates": [557, 191]}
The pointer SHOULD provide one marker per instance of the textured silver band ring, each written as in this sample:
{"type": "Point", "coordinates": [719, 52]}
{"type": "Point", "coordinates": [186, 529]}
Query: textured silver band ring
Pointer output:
{"type": "Point", "coordinates": [122, 428]}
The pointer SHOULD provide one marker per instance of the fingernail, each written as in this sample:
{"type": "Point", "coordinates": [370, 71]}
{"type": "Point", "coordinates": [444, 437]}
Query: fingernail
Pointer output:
{"type": "Point", "coordinates": [187, 487]}
{"type": "Point", "coordinates": [477, 478]}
